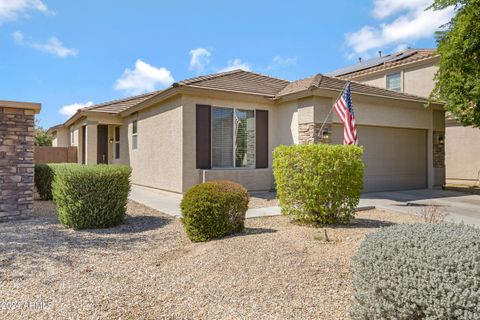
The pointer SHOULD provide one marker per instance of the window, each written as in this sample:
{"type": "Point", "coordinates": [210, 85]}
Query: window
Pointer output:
{"type": "Point", "coordinates": [394, 82]}
{"type": "Point", "coordinates": [134, 135]}
{"type": "Point", "coordinates": [72, 137]}
{"type": "Point", "coordinates": [233, 138]}
{"type": "Point", "coordinates": [117, 142]}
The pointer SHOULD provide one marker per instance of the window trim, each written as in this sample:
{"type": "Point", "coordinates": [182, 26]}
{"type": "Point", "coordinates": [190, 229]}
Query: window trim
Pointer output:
{"type": "Point", "coordinates": [135, 134]}
{"type": "Point", "coordinates": [72, 137]}
{"type": "Point", "coordinates": [234, 167]}
{"type": "Point", "coordinates": [400, 73]}
{"type": "Point", "coordinates": [116, 142]}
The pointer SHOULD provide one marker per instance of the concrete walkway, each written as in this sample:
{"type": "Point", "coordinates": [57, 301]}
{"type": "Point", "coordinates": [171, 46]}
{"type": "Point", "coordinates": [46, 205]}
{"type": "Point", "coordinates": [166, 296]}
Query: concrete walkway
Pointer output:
{"type": "Point", "coordinates": [169, 203]}
{"type": "Point", "coordinates": [460, 207]}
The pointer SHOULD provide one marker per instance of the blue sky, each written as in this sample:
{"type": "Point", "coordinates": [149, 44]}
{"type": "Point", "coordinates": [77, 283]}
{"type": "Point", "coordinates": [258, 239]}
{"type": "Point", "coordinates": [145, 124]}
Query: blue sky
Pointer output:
{"type": "Point", "coordinates": [68, 54]}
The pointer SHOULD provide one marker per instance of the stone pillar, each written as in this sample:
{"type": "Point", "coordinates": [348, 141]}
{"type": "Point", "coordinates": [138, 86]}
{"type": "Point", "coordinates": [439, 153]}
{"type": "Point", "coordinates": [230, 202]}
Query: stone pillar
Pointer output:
{"type": "Point", "coordinates": [16, 159]}
{"type": "Point", "coordinates": [91, 142]}
{"type": "Point", "coordinates": [314, 120]}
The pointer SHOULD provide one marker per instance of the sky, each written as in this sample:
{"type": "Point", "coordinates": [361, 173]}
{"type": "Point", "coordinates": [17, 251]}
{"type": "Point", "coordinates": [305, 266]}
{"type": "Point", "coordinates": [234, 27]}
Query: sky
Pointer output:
{"type": "Point", "coordinates": [70, 54]}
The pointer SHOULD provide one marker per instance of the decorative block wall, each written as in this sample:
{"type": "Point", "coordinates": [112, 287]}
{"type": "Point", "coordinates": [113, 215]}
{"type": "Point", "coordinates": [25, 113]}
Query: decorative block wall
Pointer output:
{"type": "Point", "coordinates": [16, 162]}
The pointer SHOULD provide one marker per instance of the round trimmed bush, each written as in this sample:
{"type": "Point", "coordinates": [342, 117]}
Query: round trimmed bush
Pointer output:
{"type": "Point", "coordinates": [318, 183]}
{"type": "Point", "coordinates": [43, 179]}
{"type": "Point", "coordinates": [419, 271]}
{"type": "Point", "coordinates": [214, 209]}
{"type": "Point", "coordinates": [91, 196]}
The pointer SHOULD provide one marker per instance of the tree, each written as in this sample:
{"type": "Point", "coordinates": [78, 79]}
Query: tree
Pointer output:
{"type": "Point", "coordinates": [42, 138]}
{"type": "Point", "coordinates": [458, 77]}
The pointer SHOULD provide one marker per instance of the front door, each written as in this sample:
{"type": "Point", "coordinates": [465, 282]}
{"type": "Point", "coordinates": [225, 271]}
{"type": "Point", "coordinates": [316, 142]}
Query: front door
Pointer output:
{"type": "Point", "coordinates": [102, 144]}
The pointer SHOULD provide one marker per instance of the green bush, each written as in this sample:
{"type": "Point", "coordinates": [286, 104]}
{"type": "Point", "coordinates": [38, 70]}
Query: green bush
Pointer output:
{"type": "Point", "coordinates": [420, 271]}
{"type": "Point", "coordinates": [318, 183]}
{"type": "Point", "coordinates": [43, 180]}
{"type": "Point", "coordinates": [214, 209]}
{"type": "Point", "coordinates": [91, 196]}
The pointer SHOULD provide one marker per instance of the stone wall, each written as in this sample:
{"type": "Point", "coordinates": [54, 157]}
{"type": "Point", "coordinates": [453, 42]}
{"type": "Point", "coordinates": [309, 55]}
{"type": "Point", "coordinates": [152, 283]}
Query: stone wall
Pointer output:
{"type": "Point", "coordinates": [309, 133]}
{"type": "Point", "coordinates": [16, 162]}
{"type": "Point", "coordinates": [438, 149]}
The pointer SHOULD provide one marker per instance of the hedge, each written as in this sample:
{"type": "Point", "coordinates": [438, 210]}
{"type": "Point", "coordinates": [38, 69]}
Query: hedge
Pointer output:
{"type": "Point", "coordinates": [43, 178]}
{"type": "Point", "coordinates": [420, 271]}
{"type": "Point", "coordinates": [89, 196]}
{"type": "Point", "coordinates": [214, 209]}
{"type": "Point", "coordinates": [318, 183]}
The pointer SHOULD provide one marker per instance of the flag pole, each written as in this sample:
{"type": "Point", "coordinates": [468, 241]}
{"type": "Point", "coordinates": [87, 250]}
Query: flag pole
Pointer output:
{"type": "Point", "coordinates": [331, 109]}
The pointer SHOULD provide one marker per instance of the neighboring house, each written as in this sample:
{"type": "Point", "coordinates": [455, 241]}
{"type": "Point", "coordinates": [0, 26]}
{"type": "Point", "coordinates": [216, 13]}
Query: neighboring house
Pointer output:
{"type": "Point", "coordinates": [226, 125]}
{"type": "Point", "coordinates": [412, 71]}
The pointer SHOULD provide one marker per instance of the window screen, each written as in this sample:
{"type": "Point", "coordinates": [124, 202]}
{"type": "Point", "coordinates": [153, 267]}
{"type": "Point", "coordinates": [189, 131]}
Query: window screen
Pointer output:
{"type": "Point", "coordinates": [222, 137]}
{"type": "Point", "coordinates": [244, 138]}
{"type": "Point", "coordinates": [117, 142]}
{"type": "Point", "coordinates": [394, 82]}
{"type": "Point", "coordinates": [134, 134]}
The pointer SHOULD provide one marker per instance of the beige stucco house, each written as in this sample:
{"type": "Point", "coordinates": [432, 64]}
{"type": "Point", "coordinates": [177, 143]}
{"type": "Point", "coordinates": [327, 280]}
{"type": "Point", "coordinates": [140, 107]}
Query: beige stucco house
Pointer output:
{"type": "Point", "coordinates": [226, 125]}
{"type": "Point", "coordinates": [413, 71]}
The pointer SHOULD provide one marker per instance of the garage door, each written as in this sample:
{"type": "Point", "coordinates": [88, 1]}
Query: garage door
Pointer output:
{"type": "Point", "coordinates": [395, 159]}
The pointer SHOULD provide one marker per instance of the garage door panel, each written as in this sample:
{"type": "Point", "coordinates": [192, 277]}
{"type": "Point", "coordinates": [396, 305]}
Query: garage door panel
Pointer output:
{"type": "Point", "coordinates": [394, 158]}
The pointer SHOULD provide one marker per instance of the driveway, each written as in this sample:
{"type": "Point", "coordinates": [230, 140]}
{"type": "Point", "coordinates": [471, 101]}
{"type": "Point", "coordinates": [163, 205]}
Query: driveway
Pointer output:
{"type": "Point", "coordinates": [459, 206]}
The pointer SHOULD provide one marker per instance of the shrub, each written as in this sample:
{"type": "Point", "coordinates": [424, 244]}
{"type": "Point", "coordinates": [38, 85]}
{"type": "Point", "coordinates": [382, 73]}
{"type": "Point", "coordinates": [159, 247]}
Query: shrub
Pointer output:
{"type": "Point", "coordinates": [420, 271]}
{"type": "Point", "coordinates": [318, 183]}
{"type": "Point", "coordinates": [43, 180]}
{"type": "Point", "coordinates": [91, 196]}
{"type": "Point", "coordinates": [214, 209]}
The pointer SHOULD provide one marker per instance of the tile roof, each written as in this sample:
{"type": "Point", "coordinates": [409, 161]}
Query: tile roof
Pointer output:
{"type": "Point", "coordinates": [239, 81]}
{"type": "Point", "coordinates": [253, 83]}
{"type": "Point", "coordinates": [119, 105]}
{"type": "Point", "coordinates": [383, 62]}
{"type": "Point", "coordinates": [324, 82]}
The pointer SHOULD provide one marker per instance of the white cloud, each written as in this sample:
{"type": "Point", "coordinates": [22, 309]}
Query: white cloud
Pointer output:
{"type": "Point", "coordinates": [11, 9]}
{"type": "Point", "coordinates": [412, 24]}
{"type": "Point", "coordinates": [69, 110]}
{"type": "Point", "coordinates": [143, 78]}
{"type": "Point", "coordinates": [199, 58]}
{"type": "Point", "coordinates": [53, 46]}
{"type": "Point", "coordinates": [280, 62]}
{"type": "Point", "coordinates": [236, 64]}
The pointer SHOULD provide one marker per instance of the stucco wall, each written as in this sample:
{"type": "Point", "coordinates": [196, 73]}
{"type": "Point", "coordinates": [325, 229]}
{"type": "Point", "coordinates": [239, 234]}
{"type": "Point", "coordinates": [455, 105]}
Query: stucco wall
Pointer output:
{"type": "Point", "coordinates": [61, 138]}
{"type": "Point", "coordinates": [462, 155]}
{"type": "Point", "coordinates": [158, 160]}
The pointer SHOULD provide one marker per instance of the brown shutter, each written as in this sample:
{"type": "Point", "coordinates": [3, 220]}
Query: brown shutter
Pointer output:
{"type": "Point", "coordinates": [261, 139]}
{"type": "Point", "coordinates": [203, 136]}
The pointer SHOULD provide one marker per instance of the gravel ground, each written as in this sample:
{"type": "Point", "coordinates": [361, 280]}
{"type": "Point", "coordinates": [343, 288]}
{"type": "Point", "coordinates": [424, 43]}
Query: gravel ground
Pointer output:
{"type": "Point", "coordinates": [263, 200]}
{"type": "Point", "coordinates": [148, 269]}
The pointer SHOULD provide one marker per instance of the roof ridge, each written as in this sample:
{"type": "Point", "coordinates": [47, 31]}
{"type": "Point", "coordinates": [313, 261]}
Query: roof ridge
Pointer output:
{"type": "Point", "coordinates": [206, 77]}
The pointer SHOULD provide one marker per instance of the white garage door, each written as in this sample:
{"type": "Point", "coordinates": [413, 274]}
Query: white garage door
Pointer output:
{"type": "Point", "coordinates": [395, 159]}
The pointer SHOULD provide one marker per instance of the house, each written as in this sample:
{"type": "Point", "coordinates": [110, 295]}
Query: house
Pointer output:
{"type": "Point", "coordinates": [226, 125]}
{"type": "Point", "coordinates": [412, 71]}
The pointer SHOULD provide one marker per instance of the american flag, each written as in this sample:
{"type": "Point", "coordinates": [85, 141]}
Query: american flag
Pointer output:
{"type": "Point", "coordinates": [344, 108]}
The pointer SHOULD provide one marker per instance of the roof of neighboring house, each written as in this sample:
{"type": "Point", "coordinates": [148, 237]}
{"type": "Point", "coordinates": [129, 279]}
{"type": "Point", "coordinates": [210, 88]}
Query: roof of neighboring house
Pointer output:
{"type": "Point", "coordinates": [384, 62]}
{"type": "Point", "coordinates": [238, 81]}
{"type": "Point", "coordinates": [324, 82]}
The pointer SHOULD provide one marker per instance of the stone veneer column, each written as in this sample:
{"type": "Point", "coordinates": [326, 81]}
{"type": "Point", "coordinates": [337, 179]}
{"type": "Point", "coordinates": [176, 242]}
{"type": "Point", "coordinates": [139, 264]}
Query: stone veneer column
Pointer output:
{"type": "Point", "coordinates": [16, 159]}
{"type": "Point", "coordinates": [312, 113]}
{"type": "Point", "coordinates": [438, 150]}
{"type": "Point", "coordinates": [311, 133]}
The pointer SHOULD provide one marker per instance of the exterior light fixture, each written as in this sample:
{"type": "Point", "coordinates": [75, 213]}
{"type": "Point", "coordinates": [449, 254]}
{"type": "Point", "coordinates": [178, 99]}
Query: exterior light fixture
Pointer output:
{"type": "Point", "coordinates": [110, 141]}
{"type": "Point", "coordinates": [326, 134]}
{"type": "Point", "coordinates": [441, 140]}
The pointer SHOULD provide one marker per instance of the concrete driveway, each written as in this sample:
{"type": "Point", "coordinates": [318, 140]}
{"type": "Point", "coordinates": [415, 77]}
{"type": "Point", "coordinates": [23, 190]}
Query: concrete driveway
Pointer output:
{"type": "Point", "coordinates": [459, 206]}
